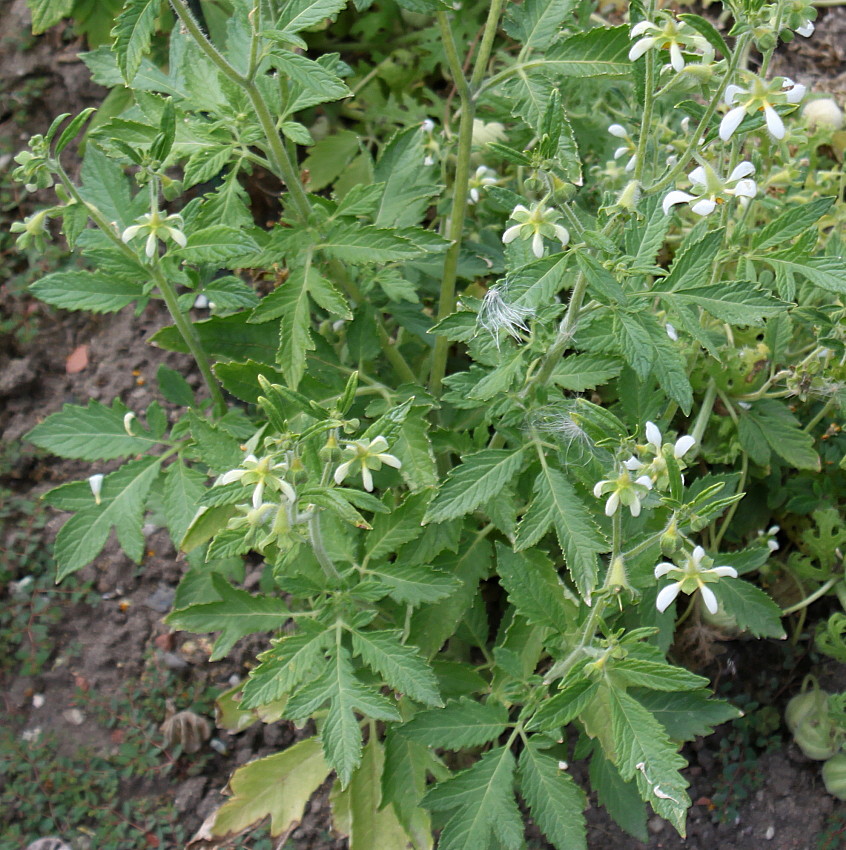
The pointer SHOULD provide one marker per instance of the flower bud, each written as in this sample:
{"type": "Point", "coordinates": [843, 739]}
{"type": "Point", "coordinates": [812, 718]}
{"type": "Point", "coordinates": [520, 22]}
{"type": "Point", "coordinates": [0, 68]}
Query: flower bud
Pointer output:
{"type": "Point", "coordinates": [823, 113]}
{"type": "Point", "coordinates": [630, 196]}
{"type": "Point", "coordinates": [671, 540]}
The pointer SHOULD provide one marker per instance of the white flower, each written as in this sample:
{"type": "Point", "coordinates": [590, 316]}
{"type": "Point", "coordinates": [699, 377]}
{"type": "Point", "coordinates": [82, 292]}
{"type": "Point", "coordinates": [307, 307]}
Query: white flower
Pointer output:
{"type": "Point", "coordinates": [366, 455]}
{"type": "Point", "coordinates": [694, 575]}
{"type": "Point", "coordinates": [671, 332]}
{"type": "Point", "coordinates": [496, 315]}
{"type": "Point", "coordinates": [264, 473]}
{"type": "Point", "coordinates": [535, 224]}
{"type": "Point", "coordinates": [669, 35]}
{"type": "Point", "coordinates": [624, 491]}
{"type": "Point", "coordinates": [628, 149]}
{"type": "Point", "coordinates": [656, 469]}
{"type": "Point", "coordinates": [709, 189]}
{"type": "Point", "coordinates": [770, 535]}
{"type": "Point", "coordinates": [157, 227]}
{"type": "Point", "coordinates": [760, 96]}
{"type": "Point", "coordinates": [483, 177]}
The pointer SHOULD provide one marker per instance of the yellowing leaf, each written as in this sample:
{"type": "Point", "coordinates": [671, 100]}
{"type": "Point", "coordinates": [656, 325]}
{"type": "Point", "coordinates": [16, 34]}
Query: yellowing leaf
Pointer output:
{"type": "Point", "coordinates": [279, 786]}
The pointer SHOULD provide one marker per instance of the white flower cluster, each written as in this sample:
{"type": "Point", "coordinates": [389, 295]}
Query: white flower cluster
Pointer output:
{"type": "Point", "coordinates": [759, 96]}
{"type": "Point", "coordinates": [709, 189]}
{"type": "Point", "coordinates": [695, 574]}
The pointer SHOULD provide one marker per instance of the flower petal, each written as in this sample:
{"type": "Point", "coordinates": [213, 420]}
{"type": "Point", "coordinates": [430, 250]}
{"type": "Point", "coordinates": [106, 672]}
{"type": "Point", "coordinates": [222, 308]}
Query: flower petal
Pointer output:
{"type": "Point", "coordinates": [806, 30]}
{"type": "Point", "coordinates": [774, 123]}
{"type": "Point", "coordinates": [663, 568]}
{"type": "Point", "coordinates": [640, 28]}
{"type": "Point", "coordinates": [640, 47]}
{"type": "Point", "coordinates": [742, 169]}
{"type": "Point", "coordinates": [612, 504]}
{"type": "Point", "coordinates": [724, 571]}
{"type": "Point", "coordinates": [644, 481]}
{"type": "Point", "coordinates": [537, 244]}
{"type": "Point", "coordinates": [675, 197]}
{"type": "Point", "coordinates": [676, 58]}
{"type": "Point", "coordinates": [698, 176]}
{"type": "Point", "coordinates": [342, 471]}
{"type": "Point", "coordinates": [796, 93]}
{"type": "Point", "coordinates": [653, 435]}
{"type": "Point", "coordinates": [697, 556]}
{"type": "Point", "coordinates": [666, 596]}
{"type": "Point", "coordinates": [511, 234]}
{"type": "Point", "coordinates": [683, 446]}
{"type": "Point", "coordinates": [367, 478]}
{"type": "Point", "coordinates": [745, 189]}
{"type": "Point", "coordinates": [704, 206]}
{"type": "Point", "coordinates": [709, 599]}
{"type": "Point", "coordinates": [618, 130]}
{"type": "Point", "coordinates": [731, 121]}
{"type": "Point", "coordinates": [731, 94]}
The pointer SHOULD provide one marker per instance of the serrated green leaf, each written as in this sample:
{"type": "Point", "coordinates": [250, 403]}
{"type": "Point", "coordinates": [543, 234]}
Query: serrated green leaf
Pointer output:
{"type": "Point", "coordinates": [408, 184]}
{"type": "Point", "coordinates": [640, 672]}
{"type": "Point", "coordinates": [366, 823]}
{"type": "Point", "coordinates": [480, 477]}
{"type": "Point", "coordinates": [364, 244]}
{"type": "Point", "coordinates": [219, 244]}
{"type": "Point", "coordinates": [465, 723]}
{"type": "Point", "coordinates": [404, 783]}
{"type": "Point", "coordinates": [535, 285]}
{"type": "Point", "coordinates": [92, 291]}
{"type": "Point", "coordinates": [791, 223]}
{"type": "Point", "coordinates": [599, 52]}
{"type": "Point", "coordinates": [236, 614]}
{"type": "Point", "coordinates": [183, 487]}
{"type": "Point", "coordinates": [687, 715]}
{"type": "Point", "coordinates": [216, 447]}
{"type": "Point", "coordinates": [751, 608]}
{"type": "Point", "coordinates": [414, 449]}
{"type": "Point", "coordinates": [563, 707]}
{"type": "Point", "coordinates": [537, 22]}
{"type": "Point", "coordinates": [415, 584]}
{"type": "Point", "coordinates": [693, 264]}
{"type": "Point", "coordinates": [400, 666]}
{"type": "Point", "coordinates": [557, 504]}
{"type": "Point", "coordinates": [621, 799]}
{"type": "Point", "coordinates": [299, 15]}
{"type": "Point", "coordinates": [121, 507]}
{"type": "Point", "coordinates": [737, 302]}
{"type": "Point", "coordinates": [580, 372]}
{"type": "Point", "coordinates": [403, 524]}
{"type": "Point", "coordinates": [105, 185]}
{"type": "Point", "coordinates": [534, 588]}
{"type": "Point", "coordinates": [47, 13]}
{"type": "Point", "coordinates": [132, 34]}
{"type": "Point", "coordinates": [341, 734]}
{"type": "Point", "coordinates": [644, 751]}
{"type": "Point", "coordinates": [315, 80]}
{"type": "Point", "coordinates": [95, 432]}
{"type": "Point", "coordinates": [279, 786]}
{"type": "Point", "coordinates": [484, 797]}
{"type": "Point", "coordinates": [768, 424]}
{"type": "Point", "coordinates": [635, 342]}
{"type": "Point", "coordinates": [556, 802]}
{"type": "Point", "coordinates": [828, 273]}
{"type": "Point", "coordinates": [231, 337]}
{"type": "Point", "coordinates": [281, 668]}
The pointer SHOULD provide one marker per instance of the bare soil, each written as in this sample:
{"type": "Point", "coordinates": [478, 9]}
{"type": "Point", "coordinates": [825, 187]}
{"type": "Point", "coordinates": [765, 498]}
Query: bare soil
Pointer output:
{"type": "Point", "coordinates": [751, 786]}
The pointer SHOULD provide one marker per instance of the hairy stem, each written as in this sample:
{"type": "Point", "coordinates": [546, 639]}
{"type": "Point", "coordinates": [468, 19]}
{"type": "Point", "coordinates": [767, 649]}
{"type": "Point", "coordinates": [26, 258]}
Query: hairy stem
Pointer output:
{"type": "Point", "coordinates": [184, 325]}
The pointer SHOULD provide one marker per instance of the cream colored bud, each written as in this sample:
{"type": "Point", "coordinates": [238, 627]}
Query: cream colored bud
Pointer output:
{"type": "Point", "coordinates": [96, 484]}
{"type": "Point", "coordinates": [823, 113]}
{"type": "Point", "coordinates": [127, 423]}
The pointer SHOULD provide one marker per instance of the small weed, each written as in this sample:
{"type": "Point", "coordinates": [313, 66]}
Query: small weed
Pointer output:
{"type": "Point", "coordinates": [739, 754]}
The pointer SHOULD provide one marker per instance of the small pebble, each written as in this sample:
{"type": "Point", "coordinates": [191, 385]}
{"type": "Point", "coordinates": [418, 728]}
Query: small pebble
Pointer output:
{"type": "Point", "coordinates": [38, 701]}
{"type": "Point", "coordinates": [656, 825]}
{"type": "Point", "coordinates": [74, 716]}
{"type": "Point", "coordinates": [770, 833]}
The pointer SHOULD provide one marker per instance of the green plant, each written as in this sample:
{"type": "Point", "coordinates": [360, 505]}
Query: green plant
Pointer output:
{"type": "Point", "coordinates": [454, 386]}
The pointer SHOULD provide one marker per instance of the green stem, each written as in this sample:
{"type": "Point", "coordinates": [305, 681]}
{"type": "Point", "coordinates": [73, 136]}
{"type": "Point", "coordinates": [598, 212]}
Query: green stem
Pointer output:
{"type": "Point", "coordinates": [693, 144]}
{"type": "Point", "coordinates": [184, 325]}
{"type": "Point", "coordinates": [649, 101]}
{"type": "Point", "coordinates": [315, 537]}
{"type": "Point", "coordinates": [704, 412]}
{"type": "Point", "coordinates": [819, 592]}
{"type": "Point", "coordinates": [281, 163]}
{"type": "Point", "coordinates": [391, 352]}
{"type": "Point", "coordinates": [467, 95]}
{"type": "Point", "coordinates": [744, 470]}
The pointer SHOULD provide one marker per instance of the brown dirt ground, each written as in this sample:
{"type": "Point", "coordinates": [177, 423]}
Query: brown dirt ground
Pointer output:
{"type": "Point", "coordinates": [105, 645]}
